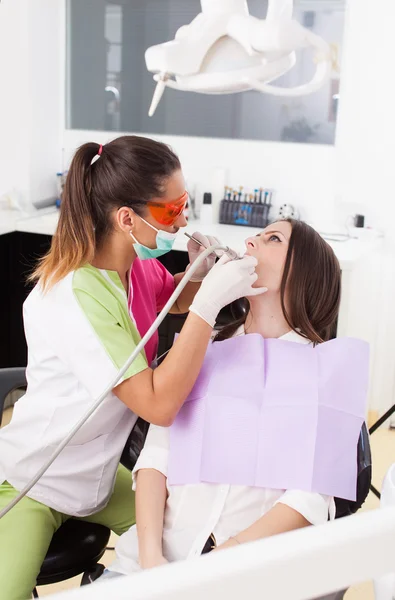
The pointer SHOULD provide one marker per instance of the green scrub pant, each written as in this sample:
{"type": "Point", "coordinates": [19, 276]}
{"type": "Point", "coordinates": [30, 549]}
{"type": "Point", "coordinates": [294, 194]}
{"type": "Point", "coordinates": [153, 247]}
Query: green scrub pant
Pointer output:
{"type": "Point", "coordinates": [26, 533]}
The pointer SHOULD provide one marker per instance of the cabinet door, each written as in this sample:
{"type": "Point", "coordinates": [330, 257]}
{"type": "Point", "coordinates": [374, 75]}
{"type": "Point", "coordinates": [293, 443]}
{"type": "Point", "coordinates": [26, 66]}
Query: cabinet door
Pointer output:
{"type": "Point", "coordinates": [19, 253]}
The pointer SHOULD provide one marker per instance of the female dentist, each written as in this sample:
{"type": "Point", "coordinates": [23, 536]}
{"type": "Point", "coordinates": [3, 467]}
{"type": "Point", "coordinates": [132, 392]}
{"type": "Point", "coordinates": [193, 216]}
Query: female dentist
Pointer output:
{"type": "Point", "coordinates": [122, 204]}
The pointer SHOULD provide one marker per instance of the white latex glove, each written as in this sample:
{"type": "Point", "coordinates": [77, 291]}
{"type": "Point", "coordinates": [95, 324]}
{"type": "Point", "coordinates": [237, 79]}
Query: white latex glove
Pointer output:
{"type": "Point", "coordinates": [227, 281]}
{"type": "Point", "coordinates": [194, 250]}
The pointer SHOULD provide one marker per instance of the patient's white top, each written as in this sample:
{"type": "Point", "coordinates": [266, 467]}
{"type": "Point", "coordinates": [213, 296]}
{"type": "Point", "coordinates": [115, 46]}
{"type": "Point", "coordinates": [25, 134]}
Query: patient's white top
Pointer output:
{"type": "Point", "coordinates": [194, 511]}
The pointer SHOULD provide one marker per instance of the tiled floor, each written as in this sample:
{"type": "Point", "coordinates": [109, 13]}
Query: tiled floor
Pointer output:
{"type": "Point", "coordinates": [383, 449]}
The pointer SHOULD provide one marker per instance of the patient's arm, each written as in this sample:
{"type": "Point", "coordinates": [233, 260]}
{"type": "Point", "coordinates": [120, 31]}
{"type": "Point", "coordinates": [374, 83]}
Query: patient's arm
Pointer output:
{"type": "Point", "coordinates": [151, 497]}
{"type": "Point", "coordinates": [150, 474]}
{"type": "Point", "coordinates": [293, 510]}
{"type": "Point", "coordinates": [279, 519]}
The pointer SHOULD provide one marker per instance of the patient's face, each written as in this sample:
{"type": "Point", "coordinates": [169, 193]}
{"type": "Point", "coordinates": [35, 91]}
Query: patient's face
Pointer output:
{"type": "Point", "coordinates": [270, 249]}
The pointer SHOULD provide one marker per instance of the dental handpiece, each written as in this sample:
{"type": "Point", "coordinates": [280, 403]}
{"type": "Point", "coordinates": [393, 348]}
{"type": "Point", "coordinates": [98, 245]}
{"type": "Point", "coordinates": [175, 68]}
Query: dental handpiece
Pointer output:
{"type": "Point", "coordinates": [226, 250]}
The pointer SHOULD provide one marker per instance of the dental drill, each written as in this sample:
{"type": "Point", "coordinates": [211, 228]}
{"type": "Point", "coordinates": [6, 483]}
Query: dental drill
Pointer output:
{"type": "Point", "coordinates": [112, 384]}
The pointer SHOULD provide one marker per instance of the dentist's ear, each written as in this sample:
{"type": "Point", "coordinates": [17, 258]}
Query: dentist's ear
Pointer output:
{"type": "Point", "coordinates": [125, 219]}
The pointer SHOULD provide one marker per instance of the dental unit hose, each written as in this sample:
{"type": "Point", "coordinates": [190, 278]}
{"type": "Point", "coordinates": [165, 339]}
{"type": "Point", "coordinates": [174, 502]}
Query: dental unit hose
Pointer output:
{"type": "Point", "coordinates": [140, 346]}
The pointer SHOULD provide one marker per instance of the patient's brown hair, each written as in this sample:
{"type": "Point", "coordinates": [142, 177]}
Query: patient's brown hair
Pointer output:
{"type": "Point", "coordinates": [312, 280]}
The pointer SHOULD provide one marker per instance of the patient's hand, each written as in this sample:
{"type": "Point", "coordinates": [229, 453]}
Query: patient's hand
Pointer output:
{"type": "Point", "coordinates": [149, 562]}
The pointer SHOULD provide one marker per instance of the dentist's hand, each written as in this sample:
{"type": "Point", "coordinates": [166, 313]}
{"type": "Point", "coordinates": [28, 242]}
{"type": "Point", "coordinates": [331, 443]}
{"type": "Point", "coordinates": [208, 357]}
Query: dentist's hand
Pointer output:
{"type": "Point", "coordinates": [227, 281]}
{"type": "Point", "coordinates": [195, 250]}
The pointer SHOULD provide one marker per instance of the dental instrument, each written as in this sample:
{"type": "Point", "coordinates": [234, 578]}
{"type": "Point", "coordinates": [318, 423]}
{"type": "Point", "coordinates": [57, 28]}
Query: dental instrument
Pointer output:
{"type": "Point", "coordinates": [226, 50]}
{"type": "Point", "coordinates": [113, 383]}
{"type": "Point", "coordinates": [226, 250]}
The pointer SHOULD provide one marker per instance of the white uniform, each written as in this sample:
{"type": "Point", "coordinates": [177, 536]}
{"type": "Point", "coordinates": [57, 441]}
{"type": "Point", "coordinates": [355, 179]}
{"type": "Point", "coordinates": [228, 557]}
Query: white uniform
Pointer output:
{"type": "Point", "coordinates": [79, 335]}
{"type": "Point", "coordinates": [195, 511]}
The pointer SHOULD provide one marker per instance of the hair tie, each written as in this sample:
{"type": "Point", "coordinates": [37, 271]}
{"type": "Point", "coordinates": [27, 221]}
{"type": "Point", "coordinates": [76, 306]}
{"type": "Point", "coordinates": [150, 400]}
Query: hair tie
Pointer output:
{"type": "Point", "coordinates": [98, 155]}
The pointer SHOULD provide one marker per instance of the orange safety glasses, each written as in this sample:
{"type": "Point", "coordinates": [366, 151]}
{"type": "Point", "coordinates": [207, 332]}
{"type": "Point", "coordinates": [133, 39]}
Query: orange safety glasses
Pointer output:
{"type": "Point", "coordinates": [167, 213]}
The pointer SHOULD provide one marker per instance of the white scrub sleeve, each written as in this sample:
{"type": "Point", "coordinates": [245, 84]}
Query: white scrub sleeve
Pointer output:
{"type": "Point", "coordinates": [155, 454]}
{"type": "Point", "coordinates": [315, 508]}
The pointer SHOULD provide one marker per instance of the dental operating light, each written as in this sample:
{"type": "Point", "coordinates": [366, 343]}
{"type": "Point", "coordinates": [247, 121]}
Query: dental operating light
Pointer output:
{"type": "Point", "coordinates": [226, 50]}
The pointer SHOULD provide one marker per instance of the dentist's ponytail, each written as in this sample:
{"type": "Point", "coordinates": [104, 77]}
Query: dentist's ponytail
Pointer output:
{"type": "Point", "coordinates": [74, 241]}
{"type": "Point", "coordinates": [129, 171]}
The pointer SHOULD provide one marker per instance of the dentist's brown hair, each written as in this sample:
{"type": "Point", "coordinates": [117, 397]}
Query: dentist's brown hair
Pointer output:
{"type": "Point", "coordinates": [131, 171]}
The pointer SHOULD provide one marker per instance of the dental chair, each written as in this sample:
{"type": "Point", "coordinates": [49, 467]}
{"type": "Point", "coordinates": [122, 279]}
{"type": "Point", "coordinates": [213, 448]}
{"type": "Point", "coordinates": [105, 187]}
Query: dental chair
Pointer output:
{"type": "Point", "coordinates": [77, 546]}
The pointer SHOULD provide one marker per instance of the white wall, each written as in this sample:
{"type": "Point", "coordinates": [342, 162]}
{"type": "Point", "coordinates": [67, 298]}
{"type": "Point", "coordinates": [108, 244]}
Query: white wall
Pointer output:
{"type": "Point", "coordinates": [30, 97]}
{"type": "Point", "coordinates": [365, 147]}
{"type": "Point", "coordinates": [14, 151]}
{"type": "Point", "coordinates": [365, 153]}
{"type": "Point", "coordinates": [46, 98]}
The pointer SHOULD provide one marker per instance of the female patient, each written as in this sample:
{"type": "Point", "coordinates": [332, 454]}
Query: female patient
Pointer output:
{"type": "Point", "coordinates": [301, 305]}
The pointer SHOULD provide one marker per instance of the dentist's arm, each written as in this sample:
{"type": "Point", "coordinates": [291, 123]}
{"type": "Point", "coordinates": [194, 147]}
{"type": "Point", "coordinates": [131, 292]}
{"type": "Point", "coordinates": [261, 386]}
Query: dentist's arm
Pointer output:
{"type": "Point", "coordinates": [185, 299]}
{"type": "Point", "coordinates": [158, 395]}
